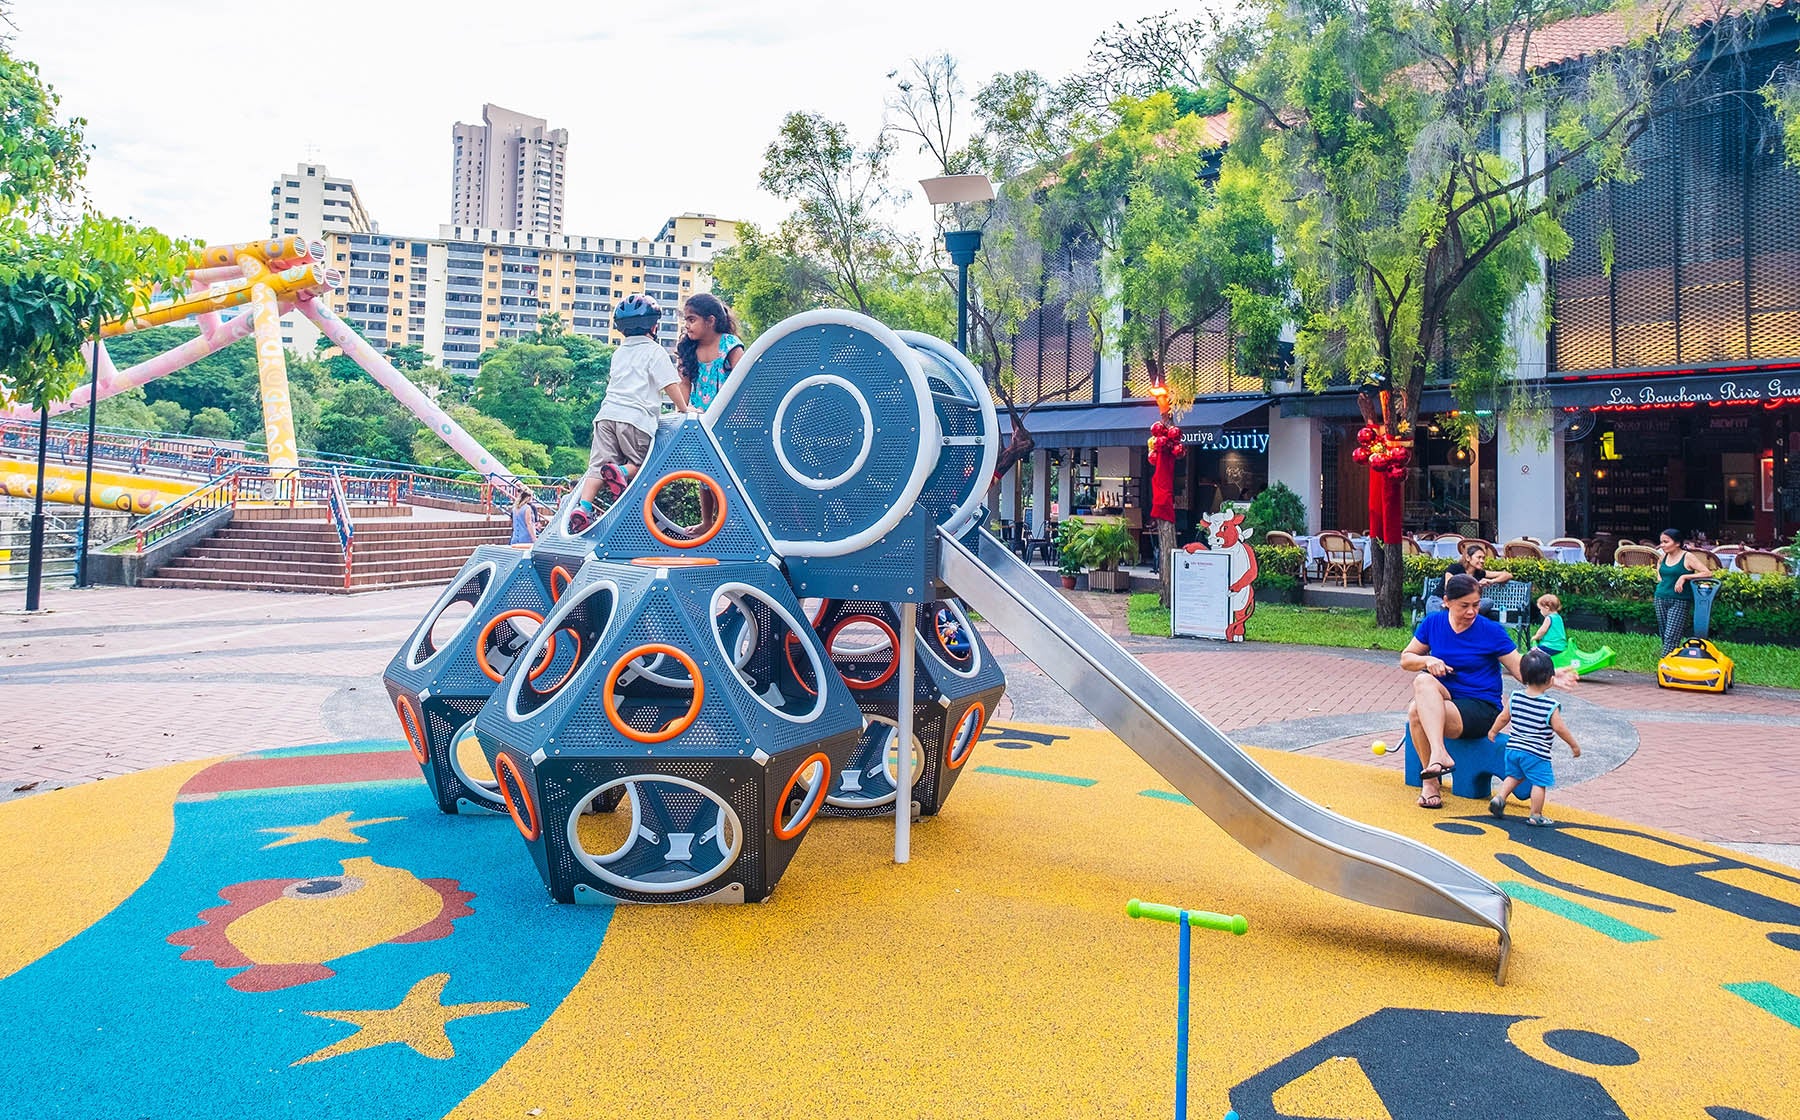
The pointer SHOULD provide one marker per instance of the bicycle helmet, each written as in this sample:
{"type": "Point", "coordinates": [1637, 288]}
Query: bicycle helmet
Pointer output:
{"type": "Point", "coordinates": [637, 314]}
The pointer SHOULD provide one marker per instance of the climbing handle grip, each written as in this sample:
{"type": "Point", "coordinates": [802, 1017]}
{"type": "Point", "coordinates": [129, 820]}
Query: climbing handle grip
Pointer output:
{"type": "Point", "coordinates": [1205, 919]}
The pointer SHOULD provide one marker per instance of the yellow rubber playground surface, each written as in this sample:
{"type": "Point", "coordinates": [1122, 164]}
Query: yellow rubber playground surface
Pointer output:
{"type": "Point", "coordinates": [300, 933]}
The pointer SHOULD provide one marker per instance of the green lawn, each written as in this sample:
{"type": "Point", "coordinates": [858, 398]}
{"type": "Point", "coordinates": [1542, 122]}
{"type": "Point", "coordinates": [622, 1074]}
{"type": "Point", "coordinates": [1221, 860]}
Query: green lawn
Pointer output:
{"type": "Point", "coordinates": [1349, 628]}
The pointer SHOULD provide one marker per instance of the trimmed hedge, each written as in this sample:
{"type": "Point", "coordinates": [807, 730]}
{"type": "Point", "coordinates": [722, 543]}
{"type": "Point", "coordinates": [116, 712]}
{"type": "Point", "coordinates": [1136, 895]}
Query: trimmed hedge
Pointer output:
{"type": "Point", "coordinates": [1769, 607]}
{"type": "Point", "coordinates": [1279, 567]}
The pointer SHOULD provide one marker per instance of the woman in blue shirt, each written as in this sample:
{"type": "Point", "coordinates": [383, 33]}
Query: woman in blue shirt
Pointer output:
{"type": "Point", "coordinates": [1458, 656]}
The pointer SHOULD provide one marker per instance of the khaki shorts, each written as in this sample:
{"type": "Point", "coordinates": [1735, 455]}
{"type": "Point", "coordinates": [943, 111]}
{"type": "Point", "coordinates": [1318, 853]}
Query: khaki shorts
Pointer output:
{"type": "Point", "coordinates": [617, 442]}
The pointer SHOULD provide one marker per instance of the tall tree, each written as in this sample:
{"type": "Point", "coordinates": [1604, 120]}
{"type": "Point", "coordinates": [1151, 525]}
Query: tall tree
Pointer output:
{"type": "Point", "coordinates": [1416, 190]}
{"type": "Point", "coordinates": [844, 200]}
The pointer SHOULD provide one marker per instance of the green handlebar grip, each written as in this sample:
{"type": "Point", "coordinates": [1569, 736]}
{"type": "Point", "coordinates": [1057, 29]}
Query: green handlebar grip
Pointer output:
{"type": "Point", "coordinates": [1205, 919]}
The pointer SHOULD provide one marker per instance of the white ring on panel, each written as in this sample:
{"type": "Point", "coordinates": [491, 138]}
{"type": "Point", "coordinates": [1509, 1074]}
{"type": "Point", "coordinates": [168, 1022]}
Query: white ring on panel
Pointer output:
{"type": "Point", "coordinates": [551, 625]}
{"type": "Point", "coordinates": [735, 592]}
{"type": "Point", "coordinates": [868, 431]}
{"type": "Point", "coordinates": [597, 864]}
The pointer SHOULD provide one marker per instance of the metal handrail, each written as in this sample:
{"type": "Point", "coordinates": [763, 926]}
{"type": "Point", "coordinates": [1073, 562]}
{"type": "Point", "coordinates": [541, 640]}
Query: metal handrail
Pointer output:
{"type": "Point", "coordinates": [207, 498]}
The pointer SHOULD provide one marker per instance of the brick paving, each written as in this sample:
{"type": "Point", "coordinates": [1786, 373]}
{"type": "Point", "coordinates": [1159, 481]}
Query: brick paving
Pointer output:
{"type": "Point", "coordinates": [115, 680]}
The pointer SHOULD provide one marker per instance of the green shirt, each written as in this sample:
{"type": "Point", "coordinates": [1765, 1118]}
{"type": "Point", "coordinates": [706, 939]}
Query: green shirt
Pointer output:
{"type": "Point", "coordinates": [1556, 639]}
{"type": "Point", "coordinates": [1667, 574]}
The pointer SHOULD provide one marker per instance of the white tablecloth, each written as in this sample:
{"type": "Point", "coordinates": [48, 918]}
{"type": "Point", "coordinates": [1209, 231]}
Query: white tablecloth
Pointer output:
{"type": "Point", "coordinates": [1315, 554]}
{"type": "Point", "coordinates": [1566, 553]}
{"type": "Point", "coordinates": [1444, 548]}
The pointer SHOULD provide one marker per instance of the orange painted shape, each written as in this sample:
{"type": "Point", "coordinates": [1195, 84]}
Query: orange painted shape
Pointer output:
{"type": "Point", "coordinates": [674, 727]}
{"type": "Point", "coordinates": [650, 509]}
{"type": "Point", "coordinates": [795, 828]}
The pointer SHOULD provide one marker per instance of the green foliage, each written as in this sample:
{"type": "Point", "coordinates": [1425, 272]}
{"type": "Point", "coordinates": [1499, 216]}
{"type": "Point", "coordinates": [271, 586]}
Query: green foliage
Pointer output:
{"type": "Point", "coordinates": [520, 455]}
{"type": "Point", "coordinates": [519, 384]}
{"type": "Point", "coordinates": [170, 417]}
{"type": "Point", "coordinates": [1626, 596]}
{"type": "Point", "coordinates": [405, 356]}
{"type": "Point", "coordinates": [64, 268]}
{"type": "Point", "coordinates": [128, 410]}
{"type": "Point", "coordinates": [1107, 544]}
{"type": "Point", "coordinates": [1279, 567]}
{"type": "Point", "coordinates": [1276, 507]}
{"type": "Point", "coordinates": [212, 423]}
{"type": "Point", "coordinates": [361, 419]}
{"type": "Point", "coordinates": [1071, 546]}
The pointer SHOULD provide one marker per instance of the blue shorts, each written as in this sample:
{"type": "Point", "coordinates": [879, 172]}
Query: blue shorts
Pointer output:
{"type": "Point", "coordinates": [1532, 768]}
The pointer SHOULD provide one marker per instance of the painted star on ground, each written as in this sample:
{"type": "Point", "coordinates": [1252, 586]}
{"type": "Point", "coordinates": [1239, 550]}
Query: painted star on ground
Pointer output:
{"type": "Point", "coordinates": [338, 826]}
{"type": "Point", "coordinates": [417, 1022]}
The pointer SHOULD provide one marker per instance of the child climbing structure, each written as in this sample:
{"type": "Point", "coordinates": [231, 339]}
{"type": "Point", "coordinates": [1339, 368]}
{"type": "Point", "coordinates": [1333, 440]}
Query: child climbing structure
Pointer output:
{"type": "Point", "coordinates": [730, 669]}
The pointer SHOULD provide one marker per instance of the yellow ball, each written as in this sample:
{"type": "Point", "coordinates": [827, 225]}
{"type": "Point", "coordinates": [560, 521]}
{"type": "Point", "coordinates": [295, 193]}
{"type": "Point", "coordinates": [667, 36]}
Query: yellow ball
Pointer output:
{"type": "Point", "coordinates": [1378, 747]}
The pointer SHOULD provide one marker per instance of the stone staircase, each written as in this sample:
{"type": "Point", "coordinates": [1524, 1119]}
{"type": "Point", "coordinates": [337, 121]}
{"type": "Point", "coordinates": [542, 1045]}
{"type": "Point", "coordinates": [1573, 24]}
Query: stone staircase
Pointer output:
{"type": "Point", "coordinates": [299, 555]}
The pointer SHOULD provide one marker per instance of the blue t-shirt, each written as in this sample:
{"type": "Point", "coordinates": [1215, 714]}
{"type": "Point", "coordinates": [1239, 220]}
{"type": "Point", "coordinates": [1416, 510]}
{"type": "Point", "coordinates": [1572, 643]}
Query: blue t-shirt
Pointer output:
{"type": "Point", "coordinates": [1474, 654]}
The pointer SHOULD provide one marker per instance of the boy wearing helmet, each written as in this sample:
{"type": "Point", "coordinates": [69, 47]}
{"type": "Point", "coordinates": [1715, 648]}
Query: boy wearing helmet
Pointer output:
{"type": "Point", "coordinates": [626, 423]}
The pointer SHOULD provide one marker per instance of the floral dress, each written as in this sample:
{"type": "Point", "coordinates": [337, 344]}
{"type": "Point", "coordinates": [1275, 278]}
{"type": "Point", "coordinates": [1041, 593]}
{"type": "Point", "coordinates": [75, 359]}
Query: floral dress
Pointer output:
{"type": "Point", "coordinates": [711, 376]}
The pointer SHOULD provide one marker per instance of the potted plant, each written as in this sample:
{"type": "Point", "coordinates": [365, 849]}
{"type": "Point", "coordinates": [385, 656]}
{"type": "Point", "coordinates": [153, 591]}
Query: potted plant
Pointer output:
{"type": "Point", "coordinates": [1071, 550]}
{"type": "Point", "coordinates": [1106, 545]}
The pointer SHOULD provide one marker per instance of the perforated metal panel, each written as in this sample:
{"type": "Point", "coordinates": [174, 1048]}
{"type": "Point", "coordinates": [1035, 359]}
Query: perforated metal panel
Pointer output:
{"type": "Point", "coordinates": [816, 370]}
{"type": "Point", "coordinates": [623, 533]}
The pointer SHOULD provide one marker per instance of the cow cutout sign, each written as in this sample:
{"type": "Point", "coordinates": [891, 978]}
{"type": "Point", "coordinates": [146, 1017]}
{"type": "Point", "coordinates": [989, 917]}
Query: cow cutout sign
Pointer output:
{"type": "Point", "coordinates": [1214, 590]}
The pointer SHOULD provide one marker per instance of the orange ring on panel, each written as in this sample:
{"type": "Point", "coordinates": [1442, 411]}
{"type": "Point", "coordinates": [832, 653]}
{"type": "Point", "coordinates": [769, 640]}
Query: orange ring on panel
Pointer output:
{"type": "Point", "coordinates": [795, 828]}
{"type": "Point", "coordinates": [661, 537]}
{"type": "Point", "coordinates": [788, 645]}
{"type": "Point", "coordinates": [412, 728]}
{"type": "Point", "coordinates": [504, 765]}
{"type": "Point", "coordinates": [669, 730]}
{"type": "Point", "coordinates": [555, 591]}
{"type": "Point", "coordinates": [951, 758]}
{"type": "Point", "coordinates": [486, 631]}
{"type": "Point", "coordinates": [893, 644]}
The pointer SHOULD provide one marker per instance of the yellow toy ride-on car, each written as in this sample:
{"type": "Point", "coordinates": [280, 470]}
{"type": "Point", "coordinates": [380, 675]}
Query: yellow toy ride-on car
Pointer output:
{"type": "Point", "coordinates": [1696, 663]}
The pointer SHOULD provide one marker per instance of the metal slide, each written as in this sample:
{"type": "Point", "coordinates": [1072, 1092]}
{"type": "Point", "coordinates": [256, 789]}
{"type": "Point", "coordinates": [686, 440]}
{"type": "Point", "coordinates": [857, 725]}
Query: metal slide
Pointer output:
{"type": "Point", "coordinates": [1311, 843]}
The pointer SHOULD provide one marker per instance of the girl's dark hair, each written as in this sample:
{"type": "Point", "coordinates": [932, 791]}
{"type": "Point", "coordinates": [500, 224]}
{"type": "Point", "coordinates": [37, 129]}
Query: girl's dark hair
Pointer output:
{"type": "Point", "coordinates": [1673, 534]}
{"type": "Point", "coordinates": [687, 351]}
{"type": "Point", "coordinates": [1536, 667]}
{"type": "Point", "coordinates": [1460, 587]}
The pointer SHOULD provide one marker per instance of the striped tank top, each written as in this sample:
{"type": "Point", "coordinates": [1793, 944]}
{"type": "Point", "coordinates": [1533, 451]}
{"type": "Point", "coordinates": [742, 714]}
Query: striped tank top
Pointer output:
{"type": "Point", "coordinates": [1530, 726]}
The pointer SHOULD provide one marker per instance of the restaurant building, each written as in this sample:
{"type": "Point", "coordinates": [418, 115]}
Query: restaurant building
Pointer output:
{"type": "Point", "coordinates": [1666, 391]}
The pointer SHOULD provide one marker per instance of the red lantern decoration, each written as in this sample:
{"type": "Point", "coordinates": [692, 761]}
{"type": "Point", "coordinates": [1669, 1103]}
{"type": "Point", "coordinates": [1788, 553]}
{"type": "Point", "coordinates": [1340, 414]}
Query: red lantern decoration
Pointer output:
{"type": "Point", "coordinates": [1366, 434]}
{"type": "Point", "coordinates": [1165, 447]}
{"type": "Point", "coordinates": [1361, 454]}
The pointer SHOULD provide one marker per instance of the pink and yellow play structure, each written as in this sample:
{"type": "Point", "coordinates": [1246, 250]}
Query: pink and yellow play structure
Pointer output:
{"type": "Point", "coordinates": [266, 280]}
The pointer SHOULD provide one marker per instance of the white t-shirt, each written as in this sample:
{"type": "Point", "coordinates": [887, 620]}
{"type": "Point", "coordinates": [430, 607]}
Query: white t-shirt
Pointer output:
{"type": "Point", "coordinates": [641, 370]}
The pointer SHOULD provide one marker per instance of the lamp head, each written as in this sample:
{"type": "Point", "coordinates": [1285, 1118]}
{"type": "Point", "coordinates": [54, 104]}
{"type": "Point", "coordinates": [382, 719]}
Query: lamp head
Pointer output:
{"type": "Point", "coordinates": [947, 189]}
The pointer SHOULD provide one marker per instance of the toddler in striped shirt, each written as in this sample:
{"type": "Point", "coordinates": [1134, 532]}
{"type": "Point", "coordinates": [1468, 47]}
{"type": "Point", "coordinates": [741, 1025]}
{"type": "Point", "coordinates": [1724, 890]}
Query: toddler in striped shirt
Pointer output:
{"type": "Point", "coordinates": [1535, 720]}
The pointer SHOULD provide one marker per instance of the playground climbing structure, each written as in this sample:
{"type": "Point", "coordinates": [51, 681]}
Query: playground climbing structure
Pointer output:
{"type": "Point", "coordinates": [768, 628]}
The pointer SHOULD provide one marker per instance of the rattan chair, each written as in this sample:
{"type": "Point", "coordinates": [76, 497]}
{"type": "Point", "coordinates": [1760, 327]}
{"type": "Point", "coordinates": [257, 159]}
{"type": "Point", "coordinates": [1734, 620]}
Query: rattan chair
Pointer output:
{"type": "Point", "coordinates": [1410, 547]}
{"type": "Point", "coordinates": [1522, 549]}
{"type": "Point", "coordinates": [1636, 556]}
{"type": "Point", "coordinates": [1709, 558]}
{"type": "Point", "coordinates": [1341, 557]}
{"type": "Point", "coordinates": [1568, 542]}
{"type": "Point", "coordinates": [1758, 562]}
{"type": "Point", "coordinates": [1486, 546]}
{"type": "Point", "coordinates": [1280, 539]}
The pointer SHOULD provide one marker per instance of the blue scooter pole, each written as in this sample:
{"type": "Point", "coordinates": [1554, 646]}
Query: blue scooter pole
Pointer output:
{"type": "Point", "coordinates": [1186, 919]}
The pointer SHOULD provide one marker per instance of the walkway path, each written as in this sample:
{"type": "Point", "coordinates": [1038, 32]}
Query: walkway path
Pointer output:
{"type": "Point", "coordinates": [116, 680]}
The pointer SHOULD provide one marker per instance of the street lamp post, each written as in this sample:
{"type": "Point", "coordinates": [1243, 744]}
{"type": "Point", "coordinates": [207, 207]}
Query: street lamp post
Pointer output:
{"type": "Point", "coordinates": [963, 244]}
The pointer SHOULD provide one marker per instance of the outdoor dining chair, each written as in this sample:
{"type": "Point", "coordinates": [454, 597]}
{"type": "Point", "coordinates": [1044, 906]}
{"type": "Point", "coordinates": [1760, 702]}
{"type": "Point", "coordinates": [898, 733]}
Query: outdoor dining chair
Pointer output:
{"type": "Point", "coordinates": [1341, 556]}
{"type": "Point", "coordinates": [1636, 556]}
{"type": "Point", "coordinates": [1708, 557]}
{"type": "Point", "coordinates": [1760, 562]}
{"type": "Point", "coordinates": [1522, 549]}
{"type": "Point", "coordinates": [1280, 539]}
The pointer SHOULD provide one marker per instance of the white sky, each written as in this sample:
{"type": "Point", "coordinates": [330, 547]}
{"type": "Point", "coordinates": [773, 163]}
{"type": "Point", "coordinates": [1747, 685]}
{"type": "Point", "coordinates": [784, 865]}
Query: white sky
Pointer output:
{"type": "Point", "coordinates": [194, 108]}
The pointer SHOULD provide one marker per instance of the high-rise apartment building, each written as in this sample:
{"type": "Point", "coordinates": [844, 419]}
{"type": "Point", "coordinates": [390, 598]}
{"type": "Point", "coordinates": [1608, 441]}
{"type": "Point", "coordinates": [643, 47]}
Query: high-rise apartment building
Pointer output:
{"type": "Point", "coordinates": [307, 202]}
{"type": "Point", "coordinates": [468, 289]}
{"type": "Point", "coordinates": [507, 173]}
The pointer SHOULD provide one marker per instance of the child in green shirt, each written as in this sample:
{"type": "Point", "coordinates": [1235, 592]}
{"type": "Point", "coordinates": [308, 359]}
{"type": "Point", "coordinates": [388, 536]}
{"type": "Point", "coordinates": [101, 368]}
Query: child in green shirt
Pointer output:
{"type": "Point", "coordinates": [1551, 637]}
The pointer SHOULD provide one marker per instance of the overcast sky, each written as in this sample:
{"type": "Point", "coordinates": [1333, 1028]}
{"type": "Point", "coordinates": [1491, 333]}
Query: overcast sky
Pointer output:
{"type": "Point", "coordinates": [194, 108]}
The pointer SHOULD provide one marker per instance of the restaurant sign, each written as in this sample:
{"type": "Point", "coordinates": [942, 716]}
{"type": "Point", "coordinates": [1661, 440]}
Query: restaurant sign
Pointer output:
{"type": "Point", "coordinates": [1227, 439]}
{"type": "Point", "coordinates": [1664, 393]}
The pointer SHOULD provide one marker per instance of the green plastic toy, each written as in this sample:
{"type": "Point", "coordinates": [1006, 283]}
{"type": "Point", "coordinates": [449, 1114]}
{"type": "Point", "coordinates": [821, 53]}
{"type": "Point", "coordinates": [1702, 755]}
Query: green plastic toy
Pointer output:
{"type": "Point", "coordinates": [1582, 661]}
